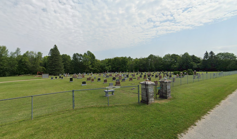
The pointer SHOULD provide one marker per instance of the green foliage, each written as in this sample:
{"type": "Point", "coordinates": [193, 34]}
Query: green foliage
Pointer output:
{"type": "Point", "coordinates": [190, 72]}
{"type": "Point", "coordinates": [55, 64]}
{"type": "Point", "coordinates": [32, 62]}
{"type": "Point", "coordinates": [3, 61]}
{"type": "Point", "coordinates": [176, 72]}
{"type": "Point", "coordinates": [66, 59]}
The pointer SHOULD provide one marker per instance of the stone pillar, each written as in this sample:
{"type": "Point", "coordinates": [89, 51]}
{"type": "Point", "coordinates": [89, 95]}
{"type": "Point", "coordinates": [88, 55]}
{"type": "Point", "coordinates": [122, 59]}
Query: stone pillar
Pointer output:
{"type": "Point", "coordinates": [165, 90]}
{"type": "Point", "coordinates": [147, 88]}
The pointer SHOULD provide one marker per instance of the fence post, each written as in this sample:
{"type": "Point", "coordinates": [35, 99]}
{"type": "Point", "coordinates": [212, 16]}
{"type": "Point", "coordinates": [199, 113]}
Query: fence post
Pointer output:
{"type": "Point", "coordinates": [73, 100]}
{"type": "Point", "coordinates": [108, 97]}
{"type": "Point", "coordinates": [138, 94]}
{"type": "Point", "coordinates": [31, 107]}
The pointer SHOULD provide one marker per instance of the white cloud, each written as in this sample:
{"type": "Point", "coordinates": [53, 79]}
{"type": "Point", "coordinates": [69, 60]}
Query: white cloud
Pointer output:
{"type": "Point", "coordinates": [78, 25]}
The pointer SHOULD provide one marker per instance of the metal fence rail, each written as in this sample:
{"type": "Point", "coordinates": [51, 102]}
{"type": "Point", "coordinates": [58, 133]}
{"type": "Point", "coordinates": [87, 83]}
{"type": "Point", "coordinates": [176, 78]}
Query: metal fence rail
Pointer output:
{"type": "Point", "coordinates": [26, 107]}
{"type": "Point", "coordinates": [186, 79]}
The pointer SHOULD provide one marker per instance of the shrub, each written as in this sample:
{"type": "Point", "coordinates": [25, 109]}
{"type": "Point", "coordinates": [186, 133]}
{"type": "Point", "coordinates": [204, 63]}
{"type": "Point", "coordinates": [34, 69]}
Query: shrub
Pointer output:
{"type": "Point", "coordinates": [190, 72]}
{"type": "Point", "coordinates": [176, 72]}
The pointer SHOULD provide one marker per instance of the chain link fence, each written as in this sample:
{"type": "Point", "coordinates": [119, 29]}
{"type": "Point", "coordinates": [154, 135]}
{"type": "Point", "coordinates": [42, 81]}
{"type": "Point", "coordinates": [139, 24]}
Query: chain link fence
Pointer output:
{"type": "Point", "coordinates": [28, 107]}
{"type": "Point", "coordinates": [187, 79]}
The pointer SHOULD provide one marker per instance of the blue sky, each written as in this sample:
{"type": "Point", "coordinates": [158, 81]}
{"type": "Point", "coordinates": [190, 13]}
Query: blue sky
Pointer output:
{"type": "Point", "coordinates": [120, 28]}
{"type": "Point", "coordinates": [217, 37]}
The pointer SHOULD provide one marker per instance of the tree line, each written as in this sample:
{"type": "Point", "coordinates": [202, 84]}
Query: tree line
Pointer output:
{"type": "Point", "coordinates": [15, 63]}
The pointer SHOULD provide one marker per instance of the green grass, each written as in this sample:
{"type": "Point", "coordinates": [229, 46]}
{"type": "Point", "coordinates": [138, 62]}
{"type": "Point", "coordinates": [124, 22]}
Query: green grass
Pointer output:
{"type": "Point", "coordinates": [54, 117]}
{"type": "Point", "coordinates": [15, 78]}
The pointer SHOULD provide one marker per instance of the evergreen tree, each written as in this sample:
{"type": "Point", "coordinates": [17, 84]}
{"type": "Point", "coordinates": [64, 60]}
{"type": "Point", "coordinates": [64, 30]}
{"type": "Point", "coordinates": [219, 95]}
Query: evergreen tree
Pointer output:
{"type": "Point", "coordinates": [66, 59]}
{"type": "Point", "coordinates": [55, 64]}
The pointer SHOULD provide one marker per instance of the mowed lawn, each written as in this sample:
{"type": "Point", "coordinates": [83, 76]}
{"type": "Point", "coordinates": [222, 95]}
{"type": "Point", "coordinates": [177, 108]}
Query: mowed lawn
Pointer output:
{"type": "Point", "coordinates": [130, 120]}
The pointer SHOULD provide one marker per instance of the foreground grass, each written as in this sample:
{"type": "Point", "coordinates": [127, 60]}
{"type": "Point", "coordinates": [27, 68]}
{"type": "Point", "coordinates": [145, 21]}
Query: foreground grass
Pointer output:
{"type": "Point", "coordinates": [159, 120]}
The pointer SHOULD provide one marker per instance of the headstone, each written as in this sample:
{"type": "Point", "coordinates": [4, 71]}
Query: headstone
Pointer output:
{"type": "Point", "coordinates": [111, 84]}
{"type": "Point", "coordinates": [173, 79]}
{"type": "Point", "coordinates": [123, 80]}
{"type": "Point", "coordinates": [51, 78]}
{"type": "Point", "coordinates": [149, 78]}
{"type": "Point", "coordinates": [156, 83]}
{"type": "Point", "coordinates": [114, 78]}
{"type": "Point", "coordinates": [45, 75]}
{"type": "Point", "coordinates": [138, 78]}
{"type": "Point", "coordinates": [194, 72]}
{"type": "Point", "coordinates": [71, 79]}
{"type": "Point", "coordinates": [144, 77]}
{"type": "Point", "coordinates": [98, 80]}
{"type": "Point", "coordinates": [88, 79]}
{"type": "Point", "coordinates": [61, 77]}
{"type": "Point", "coordinates": [74, 76]}
{"type": "Point", "coordinates": [130, 79]}
{"type": "Point", "coordinates": [156, 76]}
{"type": "Point", "coordinates": [55, 77]}
{"type": "Point", "coordinates": [79, 76]}
{"type": "Point", "coordinates": [92, 80]}
{"type": "Point", "coordinates": [83, 83]}
{"type": "Point", "coordinates": [105, 80]}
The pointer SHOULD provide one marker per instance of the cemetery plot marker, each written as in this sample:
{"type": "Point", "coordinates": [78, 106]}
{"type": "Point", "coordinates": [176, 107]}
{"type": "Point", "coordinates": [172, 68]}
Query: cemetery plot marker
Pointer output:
{"type": "Point", "coordinates": [83, 83]}
{"type": "Point", "coordinates": [45, 75]}
{"type": "Point", "coordinates": [117, 83]}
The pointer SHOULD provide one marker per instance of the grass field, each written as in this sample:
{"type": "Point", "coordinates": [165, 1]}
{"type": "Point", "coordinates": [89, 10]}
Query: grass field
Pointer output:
{"type": "Point", "coordinates": [54, 117]}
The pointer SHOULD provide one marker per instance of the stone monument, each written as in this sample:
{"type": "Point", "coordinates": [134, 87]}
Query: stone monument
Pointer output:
{"type": "Point", "coordinates": [165, 90]}
{"type": "Point", "coordinates": [147, 88]}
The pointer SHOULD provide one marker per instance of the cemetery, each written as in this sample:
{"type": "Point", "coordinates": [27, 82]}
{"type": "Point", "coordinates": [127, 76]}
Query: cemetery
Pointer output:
{"type": "Point", "coordinates": [167, 99]}
{"type": "Point", "coordinates": [113, 69]}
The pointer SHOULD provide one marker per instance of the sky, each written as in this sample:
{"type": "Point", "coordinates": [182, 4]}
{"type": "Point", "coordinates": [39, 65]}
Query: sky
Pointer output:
{"type": "Point", "coordinates": [115, 28]}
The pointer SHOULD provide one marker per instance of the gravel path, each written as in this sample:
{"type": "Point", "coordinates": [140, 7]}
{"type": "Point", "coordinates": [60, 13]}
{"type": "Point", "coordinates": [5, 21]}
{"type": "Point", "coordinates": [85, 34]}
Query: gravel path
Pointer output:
{"type": "Point", "coordinates": [220, 123]}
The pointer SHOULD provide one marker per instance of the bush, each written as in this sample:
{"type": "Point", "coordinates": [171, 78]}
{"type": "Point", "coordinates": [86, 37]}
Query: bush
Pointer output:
{"type": "Point", "coordinates": [184, 72]}
{"type": "Point", "coordinates": [190, 72]}
{"type": "Point", "coordinates": [176, 72]}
